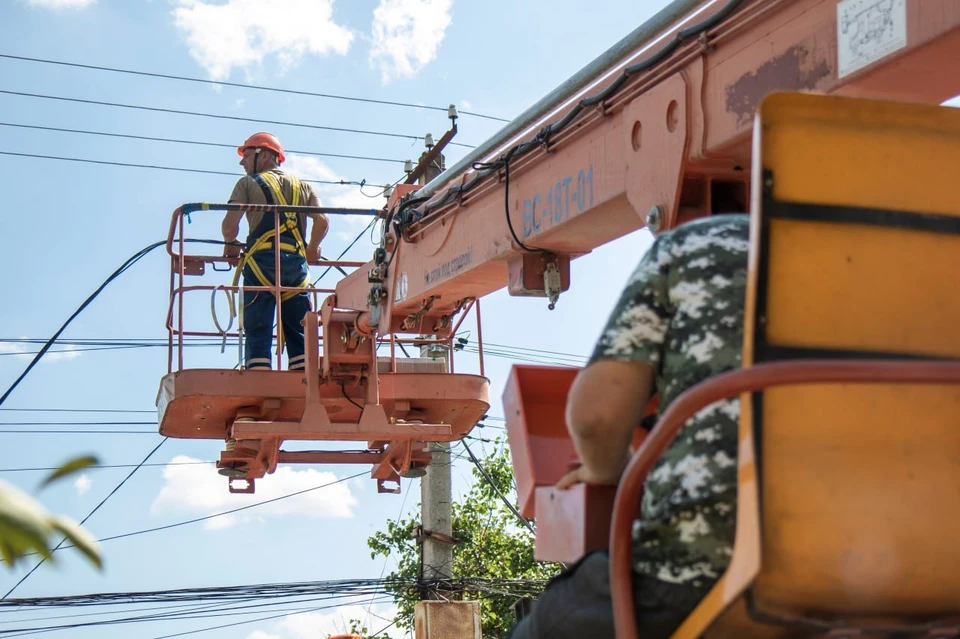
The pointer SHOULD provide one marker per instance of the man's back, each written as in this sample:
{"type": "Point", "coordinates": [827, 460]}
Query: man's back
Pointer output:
{"type": "Point", "coordinates": [682, 312]}
{"type": "Point", "coordinates": [248, 191]}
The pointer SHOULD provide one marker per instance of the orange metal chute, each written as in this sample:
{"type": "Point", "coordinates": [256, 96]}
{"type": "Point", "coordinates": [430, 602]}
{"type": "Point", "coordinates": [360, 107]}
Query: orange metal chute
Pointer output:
{"type": "Point", "coordinates": [570, 522]}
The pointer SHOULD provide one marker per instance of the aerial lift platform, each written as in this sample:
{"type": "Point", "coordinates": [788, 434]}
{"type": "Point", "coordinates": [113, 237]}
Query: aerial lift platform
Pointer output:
{"type": "Point", "coordinates": [657, 131]}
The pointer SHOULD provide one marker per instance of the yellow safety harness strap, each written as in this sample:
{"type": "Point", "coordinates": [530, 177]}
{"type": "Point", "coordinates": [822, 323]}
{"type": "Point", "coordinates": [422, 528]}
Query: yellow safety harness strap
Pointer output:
{"type": "Point", "coordinates": [289, 224]}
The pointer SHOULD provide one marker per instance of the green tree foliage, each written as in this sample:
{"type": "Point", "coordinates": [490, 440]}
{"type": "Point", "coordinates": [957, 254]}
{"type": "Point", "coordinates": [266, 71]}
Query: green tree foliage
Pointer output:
{"type": "Point", "coordinates": [26, 527]}
{"type": "Point", "coordinates": [494, 544]}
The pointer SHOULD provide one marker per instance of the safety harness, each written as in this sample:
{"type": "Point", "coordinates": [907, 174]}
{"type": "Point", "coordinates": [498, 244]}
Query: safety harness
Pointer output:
{"type": "Point", "coordinates": [262, 237]}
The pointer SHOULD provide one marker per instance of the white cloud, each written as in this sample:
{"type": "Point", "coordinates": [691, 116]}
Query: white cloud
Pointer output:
{"type": "Point", "coordinates": [27, 352]}
{"type": "Point", "coordinates": [200, 490]}
{"type": "Point", "coordinates": [406, 35]}
{"type": "Point", "coordinates": [465, 104]}
{"type": "Point", "coordinates": [56, 5]}
{"type": "Point", "coordinates": [335, 195]}
{"type": "Point", "coordinates": [306, 167]}
{"type": "Point", "coordinates": [241, 33]}
{"type": "Point", "coordinates": [82, 484]}
{"type": "Point", "coordinates": [310, 625]}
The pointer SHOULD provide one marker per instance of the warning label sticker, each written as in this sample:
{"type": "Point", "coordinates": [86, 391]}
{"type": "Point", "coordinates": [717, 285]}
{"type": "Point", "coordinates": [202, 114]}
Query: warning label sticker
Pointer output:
{"type": "Point", "coordinates": [868, 30]}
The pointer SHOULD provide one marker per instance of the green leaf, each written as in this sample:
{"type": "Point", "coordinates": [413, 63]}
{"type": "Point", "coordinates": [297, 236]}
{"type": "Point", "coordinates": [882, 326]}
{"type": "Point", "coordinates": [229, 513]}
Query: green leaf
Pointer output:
{"type": "Point", "coordinates": [24, 525]}
{"type": "Point", "coordinates": [7, 552]}
{"type": "Point", "coordinates": [79, 538]}
{"type": "Point", "coordinates": [71, 466]}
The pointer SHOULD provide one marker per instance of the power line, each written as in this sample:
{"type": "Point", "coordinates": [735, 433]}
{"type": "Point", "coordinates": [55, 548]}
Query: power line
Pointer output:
{"type": "Point", "coordinates": [77, 432]}
{"type": "Point", "coordinates": [383, 569]}
{"type": "Point", "coordinates": [247, 86]}
{"type": "Point", "coordinates": [226, 512]}
{"type": "Point", "coordinates": [225, 595]}
{"type": "Point", "coordinates": [136, 257]}
{"type": "Point", "coordinates": [96, 508]}
{"type": "Point", "coordinates": [344, 251]}
{"type": "Point", "coordinates": [104, 466]}
{"type": "Point", "coordinates": [162, 168]}
{"type": "Point", "coordinates": [517, 353]}
{"type": "Point", "coordinates": [219, 116]}
{"type": "Point", "coordinates": [238, 623]}
{"type": "Point", "coordinates": [503, 498]}
{"type": "Point", "coordinates": [243, 593]}
{"type": "Point", "coordinates": [212, 602]}
{"type": "Point", "coordinates": [73, 410]}
{"type": "Point", "coordinates": [193, 142]}
{"type": "Point", "coordinates": [138, 423]}
{"type": "Point", "coordinates": [202, 611]}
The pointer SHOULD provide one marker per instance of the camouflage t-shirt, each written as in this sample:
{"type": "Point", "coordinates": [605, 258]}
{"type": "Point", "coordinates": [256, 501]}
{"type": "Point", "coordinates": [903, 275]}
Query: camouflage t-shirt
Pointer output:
{"type": "Point", "coordinates": [682, 312]}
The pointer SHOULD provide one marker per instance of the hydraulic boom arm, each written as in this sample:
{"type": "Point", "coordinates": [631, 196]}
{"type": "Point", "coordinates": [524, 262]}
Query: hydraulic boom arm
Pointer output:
{"type": "Point", "coordinates": [660, 135]}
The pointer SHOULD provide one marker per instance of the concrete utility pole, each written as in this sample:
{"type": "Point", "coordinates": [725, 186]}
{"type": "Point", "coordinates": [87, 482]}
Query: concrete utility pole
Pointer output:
{"type": "Point", "coordinates": [435, 496]}
{"type": "Point", "coordinates": [435, 492]}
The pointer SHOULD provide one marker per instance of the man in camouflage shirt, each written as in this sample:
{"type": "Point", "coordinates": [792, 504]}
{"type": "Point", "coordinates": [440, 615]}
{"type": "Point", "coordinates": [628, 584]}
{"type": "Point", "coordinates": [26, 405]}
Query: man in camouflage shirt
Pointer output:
{"type": "Point", "coordinates": [678, 322]}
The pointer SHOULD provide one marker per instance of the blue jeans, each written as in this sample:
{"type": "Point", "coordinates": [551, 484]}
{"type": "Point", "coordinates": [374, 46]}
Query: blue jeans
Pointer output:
{"type": "Point", "coordinates": [259, 311]}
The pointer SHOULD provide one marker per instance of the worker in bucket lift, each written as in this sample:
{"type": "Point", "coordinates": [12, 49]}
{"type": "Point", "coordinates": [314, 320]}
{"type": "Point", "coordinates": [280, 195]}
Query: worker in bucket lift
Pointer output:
{"type": "Point", "coordinates": [678, 321]}
{"type": "Point", "coordinates": [261, 155]}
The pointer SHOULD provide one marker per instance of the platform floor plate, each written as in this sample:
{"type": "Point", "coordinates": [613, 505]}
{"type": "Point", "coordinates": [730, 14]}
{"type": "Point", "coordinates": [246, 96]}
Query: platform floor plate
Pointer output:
{"type": "Point", "coordinates": [201, 403]}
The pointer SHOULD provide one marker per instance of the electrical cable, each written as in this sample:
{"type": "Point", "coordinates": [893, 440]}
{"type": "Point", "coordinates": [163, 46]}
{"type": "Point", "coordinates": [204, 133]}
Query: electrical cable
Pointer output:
{"type": "Point", "coordinates": [234, 601]}
{"type": "Point", "coordinates": [85, 519]}
{"type": "Point", "coordinates": [130, 262]}
{"type": "Point", "coordinates": [513, 353]}
{"type": "Point", "coordinates": [204, 611]}
{"type": "Point", "coordinates": [192, 142]}
{"type": "Point", "coordinates": [238, 623]}
{"type": "Point", "coordinates": [108, 466]}
{"type": "Point", "coordinates": [48, 617]}
{"type": "Point", "coordinates": [381, 631]}
{"type": "Point", "coordinates": [493, 485]}
{"type": "Point", "coordinates": [165, 168]}
{"type": "Point", "coordinates": [506, 207]}
{"type": "Point", "coordinates": [75, 410]}
{"type": "Point", "coordinates": [219, 116]}
{"type": "Point", "coordinates": [139, 423]}
{"type": "Point", "coordinates": [251, 592]}
{"type": "Point", "coordinates": [343, 388]}
{"type": "Point", "coordinates": [226, 512]}
{"type": "Point", "coordinates": [385, 559]}
{"type": "Point", "coordinates": [136, 257]}
{"type": "Point", "coordinates": [344, 251]}
{"type": "Point", "coordinates": [78, 432]}
{"type": "Point", "coordinates": [247, 86]}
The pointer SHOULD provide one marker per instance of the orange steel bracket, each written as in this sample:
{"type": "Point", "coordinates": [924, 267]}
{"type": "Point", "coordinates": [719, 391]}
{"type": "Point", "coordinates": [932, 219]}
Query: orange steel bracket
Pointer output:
{"type": "Point", "coordinates": [656, 149]}
{"type": "Point", "coordinates": [314, 412]}
{"type": "Point", "coordinates": [398, 458]}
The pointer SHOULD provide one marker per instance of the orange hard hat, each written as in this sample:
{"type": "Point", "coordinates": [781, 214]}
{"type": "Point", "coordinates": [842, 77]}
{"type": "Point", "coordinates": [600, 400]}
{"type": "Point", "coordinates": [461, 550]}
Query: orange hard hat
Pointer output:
{"type": "Point", "coordinates": [266, 141]}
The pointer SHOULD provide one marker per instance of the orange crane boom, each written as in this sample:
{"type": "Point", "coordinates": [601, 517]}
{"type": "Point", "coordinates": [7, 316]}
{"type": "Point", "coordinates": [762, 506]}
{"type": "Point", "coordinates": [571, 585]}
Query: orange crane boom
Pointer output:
{"type": "Point", "coordinates": [660, 136]}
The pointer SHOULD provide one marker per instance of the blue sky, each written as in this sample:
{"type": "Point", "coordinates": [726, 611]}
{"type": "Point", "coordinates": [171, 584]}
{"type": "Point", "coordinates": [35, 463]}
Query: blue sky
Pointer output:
{"type": "Point", "coordinates": [71, 224]}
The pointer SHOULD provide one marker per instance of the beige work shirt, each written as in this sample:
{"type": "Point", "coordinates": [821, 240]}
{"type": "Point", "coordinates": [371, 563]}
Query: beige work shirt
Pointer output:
{"type": "Point", "coordinates": [248, 191]}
